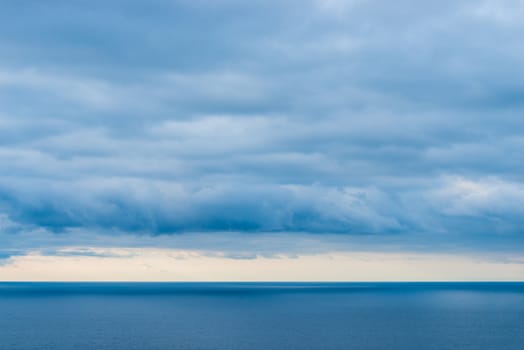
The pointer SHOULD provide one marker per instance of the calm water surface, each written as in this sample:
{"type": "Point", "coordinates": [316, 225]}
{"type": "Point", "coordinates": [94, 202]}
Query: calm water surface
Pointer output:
{"type": "Point", "coordinates": [260, 316]}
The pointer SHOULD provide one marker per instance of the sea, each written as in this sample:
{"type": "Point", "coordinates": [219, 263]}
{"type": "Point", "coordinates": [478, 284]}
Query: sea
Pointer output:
{"type": "Point", "coordinates": [262, 316]}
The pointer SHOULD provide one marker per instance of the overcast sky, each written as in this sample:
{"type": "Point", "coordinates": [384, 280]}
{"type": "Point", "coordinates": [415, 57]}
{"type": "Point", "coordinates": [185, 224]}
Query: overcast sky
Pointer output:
{"type": "Point", "coordinates": [249, 129]}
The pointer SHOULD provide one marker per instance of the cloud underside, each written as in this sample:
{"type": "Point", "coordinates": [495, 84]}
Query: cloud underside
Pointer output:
{"type": "Point", "coordinates": [451, 204]}
{"type": "Point", "coordinates": [347, 117]}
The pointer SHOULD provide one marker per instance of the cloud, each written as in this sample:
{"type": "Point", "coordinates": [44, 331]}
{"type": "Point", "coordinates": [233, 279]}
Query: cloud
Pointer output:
{"type": "Point", "coordinates": [348, 117]}
{"type": "Point", "coordinates": [483, 197]}
{"type": "Point", "coordinates": [168, 207]}
{"type": "Point", "coordinates": [453, 205]}
{"type": "Point", "coordinates": [505, 12]}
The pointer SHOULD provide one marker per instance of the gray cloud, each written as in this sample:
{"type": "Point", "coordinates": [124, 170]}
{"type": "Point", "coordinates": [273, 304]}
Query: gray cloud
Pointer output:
{"type": "Point", "coordinates": [349, 117]}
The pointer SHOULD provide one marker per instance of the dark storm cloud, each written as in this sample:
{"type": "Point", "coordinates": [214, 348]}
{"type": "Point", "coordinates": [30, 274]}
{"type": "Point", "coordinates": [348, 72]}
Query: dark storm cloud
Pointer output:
{"type": "Point", "coordinates": [353, 117]}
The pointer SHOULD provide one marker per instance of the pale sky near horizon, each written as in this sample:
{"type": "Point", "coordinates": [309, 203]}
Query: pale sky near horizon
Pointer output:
{"type": "Point", "coordinates": [153, 265]}
{"type": "Point", "coordinates": [264, 139]}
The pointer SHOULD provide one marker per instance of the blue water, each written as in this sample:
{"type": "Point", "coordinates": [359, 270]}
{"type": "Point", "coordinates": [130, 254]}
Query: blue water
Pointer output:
{"type": "Point", "coordinates": [361, 316]}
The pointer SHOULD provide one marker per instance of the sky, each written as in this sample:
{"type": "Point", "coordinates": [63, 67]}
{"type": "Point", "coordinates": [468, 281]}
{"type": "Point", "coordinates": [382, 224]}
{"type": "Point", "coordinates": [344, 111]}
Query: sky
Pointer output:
{"type": "Point", "coordinates": [262, 140]}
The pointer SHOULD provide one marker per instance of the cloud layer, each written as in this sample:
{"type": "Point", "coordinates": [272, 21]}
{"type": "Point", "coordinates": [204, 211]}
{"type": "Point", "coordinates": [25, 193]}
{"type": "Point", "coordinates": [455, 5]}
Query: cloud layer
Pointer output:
{"type": "Point", "coordinates": [328, 116]}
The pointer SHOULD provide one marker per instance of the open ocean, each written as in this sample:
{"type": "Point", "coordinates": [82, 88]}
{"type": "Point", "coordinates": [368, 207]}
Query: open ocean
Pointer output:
{"type": "Point", "coordinates": [262, 316]}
